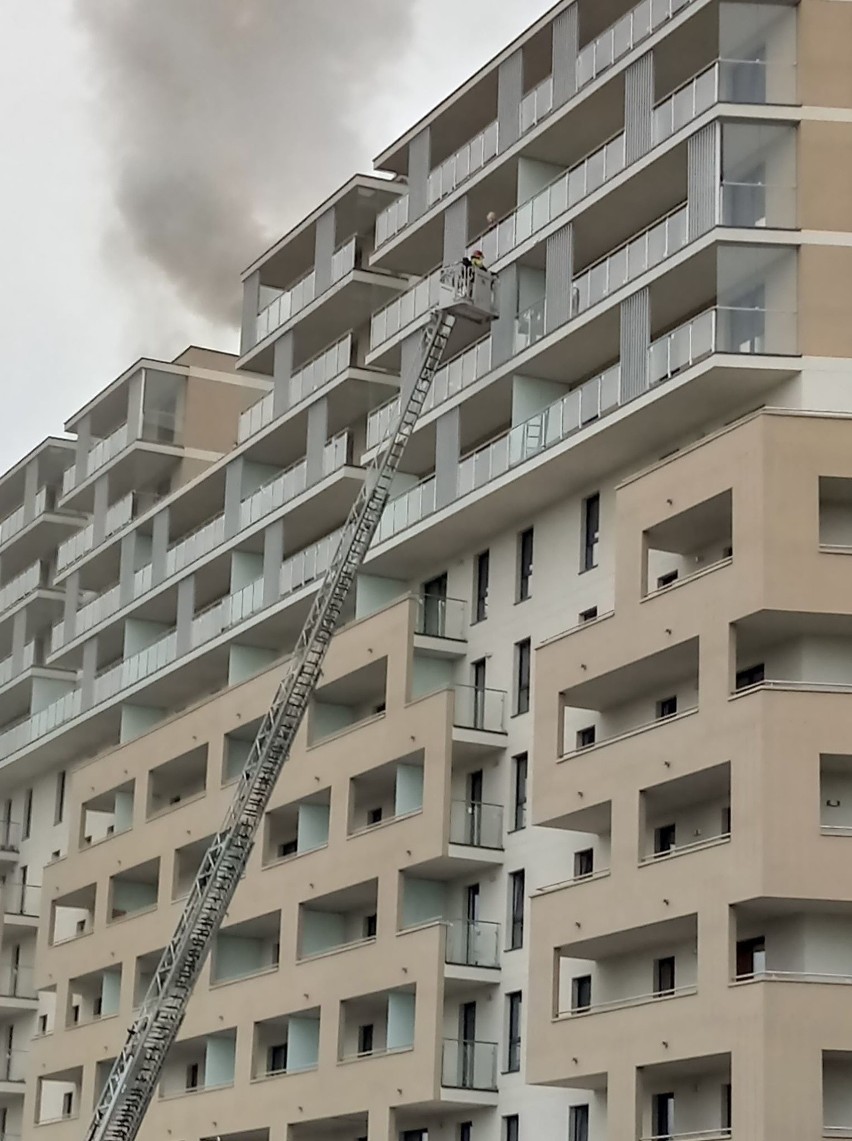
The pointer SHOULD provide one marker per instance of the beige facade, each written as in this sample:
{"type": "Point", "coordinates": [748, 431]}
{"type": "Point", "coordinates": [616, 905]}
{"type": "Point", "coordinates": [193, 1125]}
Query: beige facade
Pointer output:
{"type": "Point", "coordinates": [560, 849]}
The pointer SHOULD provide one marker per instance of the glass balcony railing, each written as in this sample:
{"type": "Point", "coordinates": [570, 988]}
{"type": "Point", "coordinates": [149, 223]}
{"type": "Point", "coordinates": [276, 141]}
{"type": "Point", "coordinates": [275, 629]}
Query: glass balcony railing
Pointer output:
{"type": "Point", "coordinates": [17, 981]}
{"type": "Point", "coordinates": [293, 300]}
{"type": "Point", "coordinates": [8, 670]}
{"type": "Point", "coordinates": [594, 59]}
{"type": "Point", "coordinates": [477, 708]}
{"type": "Point", "coordinates": [101, 453]}
{"type": "Point", "coordinates": [441, 618]}
{"type": "Point", "coordinates": [21, 898]}
{"type": "Point", "coordinates": [751, 205]}
{"type": "Point", "coordinates": [79, 544]}
{"type": "Point", "coordinates": [537, 104]}
{"type": "Point", "coordinates": [392, 219]}
{"type": "Point", "coordinates": [292, 482]}
{"type": "Point", "coordinates": [457, 374]}
{"type": "Point", "coordinates": [298, 571]}
{"type": "Point", "coordinates": [17, 588]}
{"type": "Point", "coordinates": [466, 161]}
{"type": "Point", "coordinates": [317, 372]}
{"type": "Point", "coordinates": [405, 310]}
{"type": "Point", "coordinates": [476, 824]}
{"type": "Point", "coordinates": [472, 943]}
{"type": "Point", "coordinates": [16, 522]}
{"type": "Point", "coordinates": [469, 1065]}
{"type": "Point", "coordinates": [194, 545]}
{"type": "Point", "coordinates": [725, 329]}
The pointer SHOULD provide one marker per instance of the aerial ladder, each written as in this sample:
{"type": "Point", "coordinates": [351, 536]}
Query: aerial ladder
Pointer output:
{"type": "Point", "coordinates": [466, 292]}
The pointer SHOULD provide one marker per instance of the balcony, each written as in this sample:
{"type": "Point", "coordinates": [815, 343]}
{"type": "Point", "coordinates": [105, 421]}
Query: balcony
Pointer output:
{"type": "Point", "coordinates": [286, 1045]}
{"type": "Point", "coordinates": [134, 891]}
{"type": "Point", "coordinates": [199, 1064]}
{"type": "Point", "coordinates": [21, 903]}
{"type": "Point", "coordinates": [639, 697]}
{"type": "Point", "coordinates": [73, 915]}
{"type": "Point", "coordinates": [593, 60]}
{"type": "Point", "coordinates": [296, 829]}
{"type": "Point", "coordinates": [386, 794]}
{"type": "Point", "coordinates": [118, 515]}
{"type": "Point", "coordinates": [376, 1025]}
{"type": "Point", "coordinates": [469, 1065]}
{"type": "Point", "coordinates": [177, 781]}
{"type": "Point", "coordinates": [783, 941]}
{"type": "Point", "coordinates": [297, 572]}
{"type": "Point", "coordinates": [106, 815]}
{"type": "Point", "coordinates": [290, 302]}
{"type": "Point", "coordinates": [440, 618]}
{"type": "Point", "coordinates": [244, 950]}
{"type": "Point", "coordinates": [338, 921]}
{"type": "Point", "coordinates": [475, 824]}
{"type": "Point", "coordinates": [58, 1096]}
{"type": "Point", "coordinates": [686, 815]}
{"type": "Point", "coordinates": [22, 585]}
{"type": "Point", "coordinates": [472, 943]}
{"type": "Point", "coordinates": [93, 996]}
{"type": "Point", "coordinates": [103, 451]}
{"type": "Point", "coordinates": [687, 1100]}
{"type": "Point", "coordinates": [325, 367]}
{"type": "Point", "coordinates": [633, 968]}
{"type": "Point", "coordinates": [17, 987]}
{"type": "Point", "coordinates": [478, 709]}
{"type": "Point", "coordinates": [720, 330]}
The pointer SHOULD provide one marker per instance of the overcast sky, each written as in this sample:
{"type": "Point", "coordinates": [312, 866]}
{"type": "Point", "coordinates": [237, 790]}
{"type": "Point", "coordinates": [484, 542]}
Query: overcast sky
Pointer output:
{"type": "Point", "coordinates": [78, 302]}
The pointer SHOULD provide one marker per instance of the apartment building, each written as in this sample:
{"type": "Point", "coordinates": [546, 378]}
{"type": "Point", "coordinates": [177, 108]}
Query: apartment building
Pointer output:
{"type": "Point", "coordinates": [559, 849]}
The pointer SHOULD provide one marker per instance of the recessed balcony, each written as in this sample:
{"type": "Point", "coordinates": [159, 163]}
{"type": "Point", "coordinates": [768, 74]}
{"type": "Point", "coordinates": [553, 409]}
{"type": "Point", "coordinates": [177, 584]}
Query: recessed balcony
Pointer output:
{"type": "Point", "coordinates": [385, 794]}
{"type": "Point", "coordinates": [93, 996]}
{"type": "Point", "coordinates": [338, 921]}
{"type": "Point", "coordinates": [243, 950]}
{"type": "Point", "coordinates": [288, 1044]}
{"type": "Point", "coordinates": [377, 1024]}
{"type": "Point", "coordinates": [199, 1064]}
{"type": "Point", "coordinates": [686, 815]}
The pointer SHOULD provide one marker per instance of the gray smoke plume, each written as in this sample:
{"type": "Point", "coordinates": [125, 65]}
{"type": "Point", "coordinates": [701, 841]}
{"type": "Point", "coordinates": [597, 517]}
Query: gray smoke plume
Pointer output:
{"type": "Point", "coordinates": [225, 121]}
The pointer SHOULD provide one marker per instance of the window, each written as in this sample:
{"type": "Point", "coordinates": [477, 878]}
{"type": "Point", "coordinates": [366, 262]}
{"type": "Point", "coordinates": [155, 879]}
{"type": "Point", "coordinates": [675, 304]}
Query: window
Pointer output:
{"type": "Point", "coordinates": [662, 1115]}
{"type": "Point", "coordinates": [28, 813]}
{"type": "Point", "coordinates": [465, 1131]}
{"type": "Point", "coordinates": [589, 616]}
{"type": "Point", "coordinates": [726, 820]}
{"type": "Point", "coordinates": [288, 848]}
{"type": "Point", "coordinates": [481, 575]}
{"type": "Point", "coordinates": [578, 1123]}
{"type": "Point", "coordinates": [517, 889]}
{"type": "Point", "coordinates": [511, 1128]}
{"type": "Point", "coordinates": [365, 1038]}
{"type": "Point", "coordinates": [664, 838]}
{"type": "Point", "coordinates": [477, 670]}
{"type": "Point", "coordinates": [591, 531]}
{"type": "Point", "coordinates": [434, 607]}
{"type": "Point", "coordinates": [59, 810]}
{"type": "Point", "coordinates": [513, 1022]}
{"type": "Point", "coordinates": [525, 564]}
{"type": "Point", "coordinates": [726, 1106]}
{"type": "Point", "coordinates": [585, 737]}
{"type": "Point", "coordinates": [68, 1103]}
{"type": "Point", "coordinates": [664, 975]}
{"type": "Point", "coordinates": [192, 1075]}
{"type": "Point", "coordinates": [370, 926]}
{"type": "Point", "coordinates": [581, 992]}
{"type": "Point", "coordinates": [276, 1059]}
{"type": "Point", "coordinates": [519, 812]}
{"type": "Point", "coordinates": [374, 816]}
{"type": "Point", "coordinates": [751, 957]}
{"type": "Point", "coordinates": [666, 708]}
{"type": "Point", "coordinates": [667, 579]}
{"type": "Point", "coordinates": [523, 663]}
{"type": "Point", "coordinates": [754, 675]}
{"type": "Point", "coordinates": [584, 863]}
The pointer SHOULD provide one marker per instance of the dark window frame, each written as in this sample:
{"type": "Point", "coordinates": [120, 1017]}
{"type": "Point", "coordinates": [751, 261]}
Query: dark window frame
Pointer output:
{"type": "Point", "coordinates": [591, 531]}
{"type": "Point", "coordinates": [526, 557]}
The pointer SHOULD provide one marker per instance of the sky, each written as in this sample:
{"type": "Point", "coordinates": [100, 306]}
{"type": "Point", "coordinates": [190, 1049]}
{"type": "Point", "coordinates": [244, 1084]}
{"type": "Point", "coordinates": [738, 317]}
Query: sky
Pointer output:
{"type": "Point", "coordinates": [95, 138]}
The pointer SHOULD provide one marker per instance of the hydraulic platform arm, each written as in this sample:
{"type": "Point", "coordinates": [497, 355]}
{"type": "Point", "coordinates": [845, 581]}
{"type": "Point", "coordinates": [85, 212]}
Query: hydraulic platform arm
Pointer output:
{"type": "Point", "coordinates": [130, 1086]}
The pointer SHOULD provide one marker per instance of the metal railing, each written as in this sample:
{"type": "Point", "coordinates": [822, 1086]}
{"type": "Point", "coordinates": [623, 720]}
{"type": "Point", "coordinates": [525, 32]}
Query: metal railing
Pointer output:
{"type": "Point", "coordinates": [472, 943]}
{"type": "Point", "coordinates": [469, 1065]}
{"type": "Point", "coordinates": [291, 301]}
{"type": "Point", "coordinates": [467, 160]}
{"type": "Point", "coordinates": [79, 544]}
{"type": "Point", "coordinates": [407, 509]}
{"type": "Point", "coordinates": [13, 1068]}
{"type": "Point", "coordinates": [770, 976]}
{"type": "Point", "coordinates": [622, 36]}
{"type": "Point", "coordinates": [11, 834]}
{"type": "Point", "coordinates": [536, 105]}
{"type": "Point", "coordinates": [625, 1003]}
{"type": "Point", "coordinates": [685, 849]}
{"type": "Point", "coordinates": [476, 708]}
{"type": "Point", "coordinates": [476, 824]}
{"type": "Point", "coordinates": [392, 219]}
{"type": "Point", "coordinates": [441, 618]}
{"type": "Point", "coordinates": [717, 1133]}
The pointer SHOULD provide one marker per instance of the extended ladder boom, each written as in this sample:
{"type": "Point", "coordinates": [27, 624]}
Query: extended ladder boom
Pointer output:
{"type": "Point", "coordinates": [130, 1086]}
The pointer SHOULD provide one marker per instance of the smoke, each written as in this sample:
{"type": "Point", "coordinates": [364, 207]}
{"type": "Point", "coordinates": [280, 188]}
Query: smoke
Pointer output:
{"type": "Point", "coordinates": [225, 121]}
